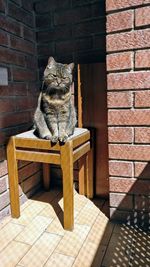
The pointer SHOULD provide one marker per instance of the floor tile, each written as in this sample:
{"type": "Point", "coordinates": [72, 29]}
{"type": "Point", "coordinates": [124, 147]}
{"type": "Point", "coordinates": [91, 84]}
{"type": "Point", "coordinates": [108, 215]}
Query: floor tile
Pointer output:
{"type": "Point", "coordinates": [71, 242]}
{"type": "Point", "coordinates": [4, 221]}
{"type": "Point", "coordinates": [29, 213]}
{"type": "Point", "coordinates": [32, 231]}
{"type": "Point", "coordinates": [88, 214]}
{"type": "Point", "coordinates": [48, 212]}
{"type": "Point", "coordinates": [41, 251]}
{"type": "Point", "coordinates": [11, 255]}
{"type": "Point", "coordinates": [59, 260]}
{"type": "Point", "coordinates": [56, 227]}
{"type": "Point", "coordinates": [79, 202]}
{"type": "Point", "coordinates": [8, 233]}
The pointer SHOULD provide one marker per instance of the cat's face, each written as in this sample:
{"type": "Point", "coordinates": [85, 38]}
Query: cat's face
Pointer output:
{"type": "Point", "coordinates": [57, 75]}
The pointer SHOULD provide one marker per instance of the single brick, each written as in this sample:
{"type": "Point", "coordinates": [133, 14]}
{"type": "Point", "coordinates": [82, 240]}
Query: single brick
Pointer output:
{"type": "Point", "coordinates": [121, 168]}
{"type": "Point", "coordinates": [142, 135]}
{"type": "Point", "coordinates": [121, 185]}
{"type": "Point", "coordinates": [26, 103]}
{"type": "Point", "coordinates": [119, 99]}
{"type": "Point", "coordinates": [23, 75]}
{"type": "Point", "coordinates": [142, 59]}
{"type": "Point", "coordinates": [4, 38]}
{"type": "Point", "coordinates": [142, 99]}
{"type": "Point", "coordinates": [3, 185]}
{"type": "Point", "coordinates": [72, 15]}
{"type": "Point", "coordinates": [119, 4]}
{"type": "Point", "coordinates": [78, 14]}
{"type": "Point", "coordinates": [3, 168]}
{"type": "Point", "coordinates": [120, 134]}
{"type": "Point", "coordinates": [131, 186]}
{"type": "Point", "coordinates": [128, 40]}
{"type": "Point", "coordinates": [2, 137]}
{"type": "Point", "coordinates": [120, 21]}
{"type": "Point", "coordinates": [142, 17]}
{"type": "Point", "coordinates": [28, 5]}
{"type": "Point", "coordinates": [119, 61]}
{"type": "Point", "coordinates": [7, 105]}
{"type": "Point", "coordinates": [72, 46]}
{"type": "Point", "coordinates": [14, 89]}
{"type": "Point", "coordinates": [122, 201]}
{"type": "Point", "coordinates": [31, 62]}
{"type": "Point", "coordinates": [142, 170]}
{"type": "Point", "coordinates": [129, 117]}
{"type": "Point", "coordinates": [15, 119]}
{"type": "Point", "coordinates": [10, 56]}
{"type": "Point", "coordinates": [29, 34]}
{"type": "Point", "coordinates": [44, 7]}
{"type": "Point", "coordinates": [61, 32]}
{"type": "Point", "coordinates": [45, 49]}
{"type": "Point", "coordinates": [2, 153]}
{"type": "Point", "coordinates": [129, 80]}
{"type": "Point", "coordinates": [89, 27]}
{"type": "Point", "coordinates": [2, 5]}
{"type": "Point", "coordinates": [4, 200]}
{"type": "Point", "coordinates": [22, 45]}
{"type": "Point", "coordinates": [129, 152]}
{"type": "Point", "coordinates": [10, 25]}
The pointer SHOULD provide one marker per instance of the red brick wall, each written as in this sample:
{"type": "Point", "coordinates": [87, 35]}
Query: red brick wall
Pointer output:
{"type": "Point", "coordinates": [18, 99]}
{"type": "Point", "coordinates": [70, 30]}
{"type": "Point", "coordinates": [128, 83]}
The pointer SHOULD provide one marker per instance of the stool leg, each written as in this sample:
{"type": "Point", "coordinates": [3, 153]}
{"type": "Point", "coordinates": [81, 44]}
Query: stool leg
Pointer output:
{"type": "Point", "coordinates": [68, 194]}
{"type": "Point", "coordinates": [89, 173]}
{"type": "Point", "coordinates": [82, 175]}
{"type": "Point", "coordinates": [13, 179]}
{"type": "Point", "coordinates": [46, 176]}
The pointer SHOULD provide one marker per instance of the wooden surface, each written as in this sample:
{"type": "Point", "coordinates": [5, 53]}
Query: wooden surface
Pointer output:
{"type": "Point", "coordinates": [67, 170]}
{"type": "Point", "coordinates": [23, 147]}
{"type": "Point", "coordinates": [94, 112]}
{"type": "Point", "coordinates": [13, 178]}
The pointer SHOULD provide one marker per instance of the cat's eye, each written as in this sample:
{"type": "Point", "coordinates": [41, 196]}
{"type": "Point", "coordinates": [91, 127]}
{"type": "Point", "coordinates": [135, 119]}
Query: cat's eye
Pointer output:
{"type": "Point", "coordinates": [54, 75]}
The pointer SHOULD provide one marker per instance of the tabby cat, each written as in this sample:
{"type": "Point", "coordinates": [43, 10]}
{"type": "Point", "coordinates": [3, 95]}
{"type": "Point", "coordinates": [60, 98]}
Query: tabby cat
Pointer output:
{"type": "Point", "coordinates": [55, 116]}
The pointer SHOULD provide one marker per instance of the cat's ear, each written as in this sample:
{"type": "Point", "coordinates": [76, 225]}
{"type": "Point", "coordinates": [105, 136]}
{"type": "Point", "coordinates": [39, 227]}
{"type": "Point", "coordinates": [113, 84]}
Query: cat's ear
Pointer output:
{"type": "Point", "coordinates": [70, 67]}
{"type": "Point", "coordinates": [51, 61]}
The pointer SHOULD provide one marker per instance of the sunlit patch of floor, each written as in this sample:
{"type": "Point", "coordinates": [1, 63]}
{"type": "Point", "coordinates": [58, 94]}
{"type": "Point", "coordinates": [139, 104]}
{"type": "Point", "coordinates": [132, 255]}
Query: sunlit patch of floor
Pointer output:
{"type": "Point", "coordinates": [38, 239]}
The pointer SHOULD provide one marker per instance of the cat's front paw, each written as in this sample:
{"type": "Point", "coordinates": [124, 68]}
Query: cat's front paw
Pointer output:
{"type": "Point", "coordinates": [54, 139]}
{"type": "Point", "coordinates": [63, 138]}
{"type": "Point", "coordinates": [47, 137]}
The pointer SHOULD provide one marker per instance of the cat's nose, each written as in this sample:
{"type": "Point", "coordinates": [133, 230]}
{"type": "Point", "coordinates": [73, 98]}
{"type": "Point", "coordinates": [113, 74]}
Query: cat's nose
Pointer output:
{"type": "Point", "coordinates": [58, 80]}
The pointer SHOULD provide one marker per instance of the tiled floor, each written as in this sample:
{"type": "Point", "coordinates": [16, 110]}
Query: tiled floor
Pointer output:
{"type": "Point", "coordinates": [38, 239]}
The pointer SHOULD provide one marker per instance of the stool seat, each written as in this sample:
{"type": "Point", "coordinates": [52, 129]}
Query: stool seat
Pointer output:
{"type": "Point", "coordinates": [30, 134]}
{"type": "Point", "coordinates": [27, 146]}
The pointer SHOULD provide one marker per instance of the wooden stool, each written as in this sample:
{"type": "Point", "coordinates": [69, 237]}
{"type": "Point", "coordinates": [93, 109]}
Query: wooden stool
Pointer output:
{"type": "Point", "coordinates": [27, 146]}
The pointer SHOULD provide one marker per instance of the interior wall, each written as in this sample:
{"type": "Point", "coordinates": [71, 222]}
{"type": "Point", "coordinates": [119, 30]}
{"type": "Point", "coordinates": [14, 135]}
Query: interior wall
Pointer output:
{"type": "Point", "coordinates": [70, 30]}
{"type": "Point", "coordinates": [128, 84]}
{"type": "Point", "coordinates": [94, 114]}
{"type": "Point", "coordinates": [18, 55]}
{"type": "Point", "coordinates": [18, 98]}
